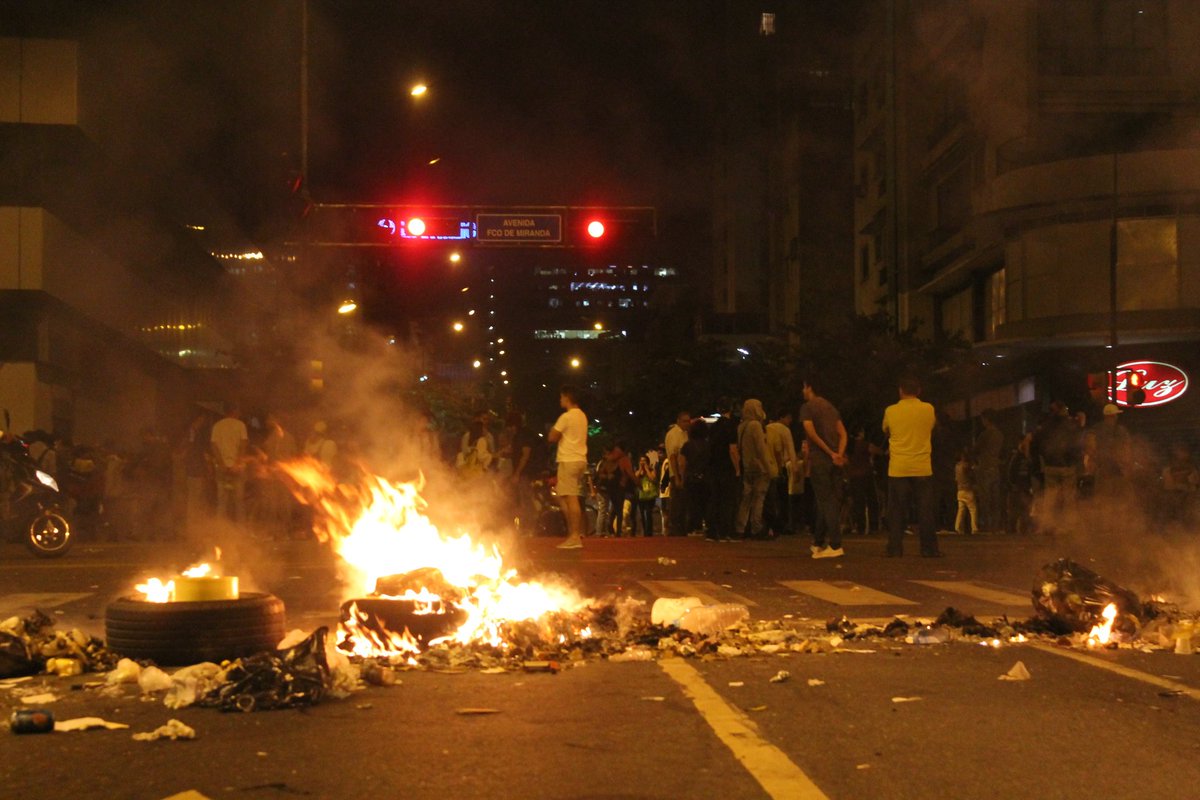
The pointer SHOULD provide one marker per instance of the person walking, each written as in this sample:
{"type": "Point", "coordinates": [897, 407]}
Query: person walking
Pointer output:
{"type": "Point", "coordinates": [694, 458]}
{"type": "Point", "coordinates": [909, 426]}
{"type": "Point", "coordinates": [229, 440]}
{"type": "Point", "coordinates": [827, 455]}
{"type": "Point", "coordinates": [756, 470]}
{"type": "Point", "coordinates": [964, 479]}
{"type": "Point", "coordinates": [570, 433]}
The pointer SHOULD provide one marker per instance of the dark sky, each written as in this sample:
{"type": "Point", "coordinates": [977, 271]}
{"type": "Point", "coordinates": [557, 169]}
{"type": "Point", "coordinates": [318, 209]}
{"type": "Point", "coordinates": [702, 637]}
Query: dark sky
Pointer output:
{"type": "Point", "coordinates": [535, 102]}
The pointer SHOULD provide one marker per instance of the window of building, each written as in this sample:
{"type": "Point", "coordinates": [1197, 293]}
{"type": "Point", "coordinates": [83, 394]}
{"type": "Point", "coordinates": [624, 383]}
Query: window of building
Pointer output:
{"type": "Point", "coordinates": [1147, 264]}
{"type": "Point", "coordinates": [956, 315]}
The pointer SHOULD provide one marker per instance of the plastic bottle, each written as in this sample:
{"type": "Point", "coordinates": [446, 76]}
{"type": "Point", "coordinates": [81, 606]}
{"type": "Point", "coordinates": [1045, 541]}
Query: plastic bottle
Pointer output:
{"type": "Point", "coordinates": [712, 619]}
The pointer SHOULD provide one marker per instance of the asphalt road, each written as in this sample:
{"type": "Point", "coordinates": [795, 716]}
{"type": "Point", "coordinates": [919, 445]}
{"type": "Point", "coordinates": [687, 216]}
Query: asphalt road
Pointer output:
{"type": "Point", "coordinates": [669, 729]}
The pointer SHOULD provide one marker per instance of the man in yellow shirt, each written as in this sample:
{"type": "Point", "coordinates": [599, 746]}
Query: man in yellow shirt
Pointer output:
{"type": "Point", "coordinates": [909, 427]}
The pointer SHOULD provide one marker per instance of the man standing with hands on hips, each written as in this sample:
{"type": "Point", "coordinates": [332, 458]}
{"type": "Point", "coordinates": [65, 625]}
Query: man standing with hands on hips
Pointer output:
{"type": "Point", "coordinates": [909, 427]}
{"type": "Point", "coordinates": [570, 434]}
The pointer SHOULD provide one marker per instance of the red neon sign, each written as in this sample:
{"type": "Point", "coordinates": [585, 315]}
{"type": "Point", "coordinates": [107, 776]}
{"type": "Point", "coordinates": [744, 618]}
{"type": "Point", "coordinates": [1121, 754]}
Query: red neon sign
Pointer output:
{"type": "Point", "coordinates": [1163, 383]}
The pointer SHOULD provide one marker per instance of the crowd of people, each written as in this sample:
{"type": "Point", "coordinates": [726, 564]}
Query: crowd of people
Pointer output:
{"type": "Point", "coordinates": [741, 474]}
{"type": "Point", "coordinates": [735, 473]}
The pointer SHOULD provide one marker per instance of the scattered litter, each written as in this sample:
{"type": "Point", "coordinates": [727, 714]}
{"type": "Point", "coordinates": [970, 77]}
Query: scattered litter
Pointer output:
{"type": "Point", "coordinates": [153, 680]}
{"type": "Point", "coordinates": [737, 683]}
{"type": "Point", "coordinates": [174, 729]}
{"type": "Point", "coordinates": [39, 699]}
{"type": "Point", "coordinates": [781, 677]}
{"type": "Point", "coordinates": [1069, 598]}
{"type": "Point", "coordinates": [815, 682]}
{"type": "Point", "coordinates": [757, 708]}
{"type": "Point", "coordinates": [378, 675]}
{"type": "Point", "coordinates": [282, 679]}
{"type": "Point", "coordinates": [474, 712]}
{"type": "Point", "coordinates": [1172, 693]}
{"type": "Point", "coordinates": [541, 666]}
{"type": "Point", "coordinates": [126, 671]}
{"type": "Point", "coordinates": [64, 667]}
{"type": "Point", "coordinates": [666, 562]}
{"type": "Point", "coordinates": [87, 724]}
{"type": "Point", "coordinates": [655, 699]}
{"type": "Point", "coordinates": [1017, 673]}
{"type": "Point", "coordinates": [12, 682]}
{"type": "Point", "coordinates": [863, 766]}
{"type": "Point", "coordinates": [364, 706]}
{"type": "Point", "coordinates": [905, 699]}
{"type": "Point", "coordinates": [261, 754]}
{"type": "Point", "coordinates": [494, 671]}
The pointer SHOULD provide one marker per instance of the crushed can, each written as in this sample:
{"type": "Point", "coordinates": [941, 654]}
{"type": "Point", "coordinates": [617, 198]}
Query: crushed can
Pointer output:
{"type": "Point", "coordinates": [32, 720]}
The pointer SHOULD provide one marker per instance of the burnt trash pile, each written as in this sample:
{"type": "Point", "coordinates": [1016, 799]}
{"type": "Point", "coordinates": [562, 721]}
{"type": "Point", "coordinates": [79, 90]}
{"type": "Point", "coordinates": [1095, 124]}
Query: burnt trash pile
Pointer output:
{"type": "Point", "coordinates": [31, 645]}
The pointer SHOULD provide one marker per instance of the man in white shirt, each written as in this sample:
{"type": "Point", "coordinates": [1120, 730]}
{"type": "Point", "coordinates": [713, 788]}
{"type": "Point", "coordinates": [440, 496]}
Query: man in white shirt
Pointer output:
{"type": "Point", "coordinates": [570, 434]}
{"type": "Point", "coordinates": [229, 439]}
{"type": "Point", "coordinates": [676, 438]}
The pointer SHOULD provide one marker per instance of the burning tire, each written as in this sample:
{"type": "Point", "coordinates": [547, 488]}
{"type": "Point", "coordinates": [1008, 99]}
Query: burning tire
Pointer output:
{"type": "Point", "coordinates": [189, 632]}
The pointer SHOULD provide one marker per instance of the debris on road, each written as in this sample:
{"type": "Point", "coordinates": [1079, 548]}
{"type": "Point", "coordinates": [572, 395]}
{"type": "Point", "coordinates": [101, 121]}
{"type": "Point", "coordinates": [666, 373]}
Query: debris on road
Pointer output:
{"type": "Point", "coordinates": [28, 644]}
{"type": "Point", "coordinates": [1070, 598]}
{"type": "Point", "coordinates": [299, 676]}
{"type": "Point", "coordinates": [667, 562]}
{"type": "Point", "coordinates": [475, 712]}
{"type": "Point", "coordinates": [905, 699]}
{"type": "Point", "coordinates": [87, 724]}
{"type": "Point", "coordinates": [31, 720]}
{"type": "Point", "coordinates": [781, 677]}
{"type": "Point", "coordinates": [656, 699]}
{"type": "Point", "coordinates": [1018, 673]}
{"type": "Point", "coordinates": [173, 730]}
{"type": "Point", "coordinates": [815, 682]}
{"type": "Point", "coordinates": [39, 699]}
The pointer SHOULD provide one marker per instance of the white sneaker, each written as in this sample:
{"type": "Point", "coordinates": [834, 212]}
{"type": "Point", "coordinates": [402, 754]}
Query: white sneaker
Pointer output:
{"type": "Point", "coordinates": [812, 548]}
{"type": "Point", "coordinates": [830, 552]}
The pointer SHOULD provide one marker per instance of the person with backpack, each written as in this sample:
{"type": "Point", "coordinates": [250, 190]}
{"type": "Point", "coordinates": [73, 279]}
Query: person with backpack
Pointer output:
{"type": "Point", "coordinates": [646, 496]}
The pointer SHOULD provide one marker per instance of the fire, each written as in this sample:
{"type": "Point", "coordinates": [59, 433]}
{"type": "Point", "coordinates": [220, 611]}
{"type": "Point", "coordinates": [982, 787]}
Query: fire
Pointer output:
{"type": "Point", "coordinates": [155, 590]}
{"type": "Point", "coordinates": [1101, 634]}
{"type": "Point", "coordinates": [379, 530]}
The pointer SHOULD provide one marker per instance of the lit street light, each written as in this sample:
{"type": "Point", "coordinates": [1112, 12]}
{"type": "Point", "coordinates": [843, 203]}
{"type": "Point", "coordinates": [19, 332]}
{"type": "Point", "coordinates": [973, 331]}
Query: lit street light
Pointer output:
{"type": "Point", "coordinates": [575, 363]}
{"type": "Point", "coordinates": [347, 307]}
{"type": "Point", "coordinates": [458, 326]}
{"type": "Point", "coordinates": [418, 90]}
{"type": "Point", "coordinates": [455, 258]}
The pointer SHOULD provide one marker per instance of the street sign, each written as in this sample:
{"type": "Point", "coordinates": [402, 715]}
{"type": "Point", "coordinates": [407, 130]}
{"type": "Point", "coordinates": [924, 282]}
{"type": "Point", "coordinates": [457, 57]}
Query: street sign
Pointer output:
{"type": "Point", "coordinates": [518, 228]}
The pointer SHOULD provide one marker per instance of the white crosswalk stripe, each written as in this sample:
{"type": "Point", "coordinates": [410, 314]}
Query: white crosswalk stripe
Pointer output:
{"type": "Point", "coordinates": [847, 593]}
{"type": "Point", "coordinates": [13, 604]}
{"type": "Point", "coordinates": [707, 591]}
{"type": "Point", "coordinates": [979, 591]}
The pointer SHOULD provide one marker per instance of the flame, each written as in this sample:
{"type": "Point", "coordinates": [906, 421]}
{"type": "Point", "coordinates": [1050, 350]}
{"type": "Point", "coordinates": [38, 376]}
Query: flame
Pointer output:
{"type": "Point", "coordinates": [155, 590]}
{"type": "Point", "coordinates": [1101, 634]}
{"type": "Point", "coordinates": [379, 529]}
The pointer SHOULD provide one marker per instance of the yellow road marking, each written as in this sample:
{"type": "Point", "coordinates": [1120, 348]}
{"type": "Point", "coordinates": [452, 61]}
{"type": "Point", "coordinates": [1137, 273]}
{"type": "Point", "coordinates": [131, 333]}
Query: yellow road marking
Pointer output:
{"type": "Point", "coordinates": [765, 762]}
{"type": "Point", "coordinates": [707, 591]}
{"type": "Point", "coordinates": [1126, 672]}
{"type": "Point", "coordinates": [846, 593]}
{"type": "Point", "coordinates": [987, 594]}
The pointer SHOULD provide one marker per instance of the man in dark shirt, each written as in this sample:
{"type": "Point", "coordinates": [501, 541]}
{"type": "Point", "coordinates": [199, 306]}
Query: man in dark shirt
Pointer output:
{"type": "Point", "coordinates": [827, 447]}
{"type": "Point", "coordinates": [724, 474]}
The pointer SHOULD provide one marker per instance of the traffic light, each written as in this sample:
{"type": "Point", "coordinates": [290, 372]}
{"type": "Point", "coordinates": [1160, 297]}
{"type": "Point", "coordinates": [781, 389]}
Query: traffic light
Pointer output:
{"type": "Point", "coordinates": [1135, 393]}
{"type": "Point", "coordinates": [415, 227]}
{"type": "Point", "coordinates": [595, 228]}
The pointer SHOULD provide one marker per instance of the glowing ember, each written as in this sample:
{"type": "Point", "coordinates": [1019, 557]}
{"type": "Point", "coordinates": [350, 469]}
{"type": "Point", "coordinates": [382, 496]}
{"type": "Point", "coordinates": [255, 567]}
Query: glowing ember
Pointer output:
{"type": "Point", "coordinates": [379, 530]}
{"type": "Point", "coordinates": [1101, 634]}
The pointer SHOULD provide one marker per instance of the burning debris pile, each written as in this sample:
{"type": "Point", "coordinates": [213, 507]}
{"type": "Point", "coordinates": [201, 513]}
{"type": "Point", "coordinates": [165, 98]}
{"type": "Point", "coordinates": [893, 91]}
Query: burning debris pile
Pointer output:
{"type": "Point", "coordinates": [1070, 598]}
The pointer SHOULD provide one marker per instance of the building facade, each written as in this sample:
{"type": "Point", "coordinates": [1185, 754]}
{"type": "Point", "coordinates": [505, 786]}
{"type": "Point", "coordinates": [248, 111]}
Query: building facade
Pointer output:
{"type": "Point", "coordinates": [1027, 179]}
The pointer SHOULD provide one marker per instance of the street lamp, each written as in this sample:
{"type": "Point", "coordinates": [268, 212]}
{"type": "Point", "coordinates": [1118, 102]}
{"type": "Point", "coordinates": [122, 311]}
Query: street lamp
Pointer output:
{"type": "Point", "coordinates": [455, 258]}
{"type": "Point", "coordinates": [418, 90]}
{"type": "Point", "coordinates": [347, 307]}
{"type": "Point", "coordinates": [458, 327]}
{"type": "Point", "coordinates": [575, 363]}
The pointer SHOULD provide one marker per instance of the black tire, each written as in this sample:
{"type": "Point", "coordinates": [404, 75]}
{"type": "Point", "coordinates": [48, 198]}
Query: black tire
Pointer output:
{"type": "Point", "coordinates": [49, 534]}
{"type": "Point", "coordinates": [177, 634]}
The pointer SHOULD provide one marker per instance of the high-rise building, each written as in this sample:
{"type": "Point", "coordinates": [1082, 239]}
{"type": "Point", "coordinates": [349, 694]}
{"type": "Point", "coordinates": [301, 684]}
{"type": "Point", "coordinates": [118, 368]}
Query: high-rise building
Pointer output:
{"type": "Point", "coordinates": [1027, 179]}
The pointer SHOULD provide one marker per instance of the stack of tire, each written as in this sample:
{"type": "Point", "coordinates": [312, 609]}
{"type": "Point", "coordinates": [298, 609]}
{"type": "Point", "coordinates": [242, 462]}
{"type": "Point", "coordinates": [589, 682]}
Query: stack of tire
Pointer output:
{"type": "Point", "coordinates": [182, 633]}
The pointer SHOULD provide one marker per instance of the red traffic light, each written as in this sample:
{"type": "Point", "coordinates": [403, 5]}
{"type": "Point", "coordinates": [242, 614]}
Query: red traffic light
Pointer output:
{"type": "Point", "coordinates": [595, 229]}
{"type": "Point", "coordinates": [415, 227]}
